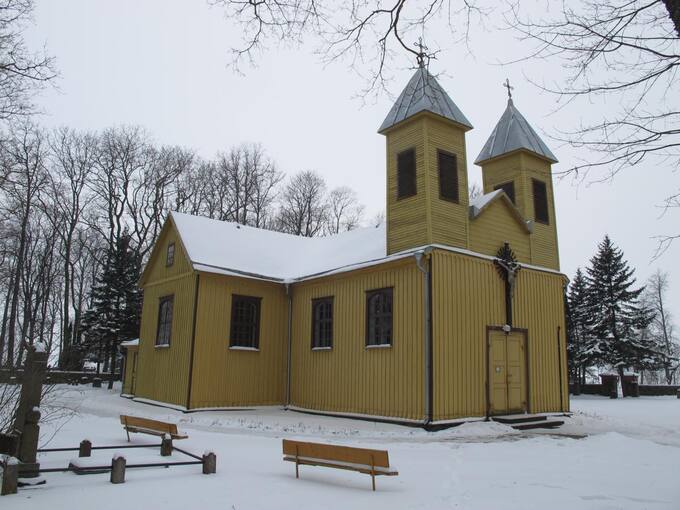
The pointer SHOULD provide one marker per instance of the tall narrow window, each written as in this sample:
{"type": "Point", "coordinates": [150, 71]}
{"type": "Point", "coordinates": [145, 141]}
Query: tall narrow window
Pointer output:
{"type": "Point", "coordinates": [164, 328]}
{"type": "Point", "coordinates": [245, 321]}
{"type": "Point", "coordinates": [509, 188]}
{"type": "Point", "coordinates": [448, 176]}
{"type": "Point", "coordinates": [406, 173]}
{"type": "Point", "coordinates": [170, 255]}
{"type": "Point", "coordinates": [540, 201]}
{"type": "Point", "coordinates": [379, 317]}
{"type": "Point", "coordinates": [322, 323]}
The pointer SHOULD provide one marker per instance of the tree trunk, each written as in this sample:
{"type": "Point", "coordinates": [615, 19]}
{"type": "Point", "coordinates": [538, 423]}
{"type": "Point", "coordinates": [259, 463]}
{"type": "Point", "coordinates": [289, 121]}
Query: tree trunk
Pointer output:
{"type": "Point", "coordinates": [113, 364]}
{"type": "Point", "coordinates": [673, 7]}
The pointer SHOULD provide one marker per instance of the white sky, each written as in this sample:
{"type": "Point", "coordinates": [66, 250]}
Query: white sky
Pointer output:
{"type": "Point", "coordinates": [163, 64]}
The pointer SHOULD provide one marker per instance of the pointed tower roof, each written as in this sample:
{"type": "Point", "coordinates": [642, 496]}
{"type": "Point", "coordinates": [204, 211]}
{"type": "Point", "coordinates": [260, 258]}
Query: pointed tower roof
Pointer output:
{"type": "Point", "coordinates": [423, 93]}
{"type": "Point", "coordinates": [512, 133]}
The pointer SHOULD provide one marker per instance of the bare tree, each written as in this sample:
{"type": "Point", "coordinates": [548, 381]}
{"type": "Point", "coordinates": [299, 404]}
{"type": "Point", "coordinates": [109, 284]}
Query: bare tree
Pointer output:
{"type": "Point", "coordinates": [22, 73]}
{"type": "Point", "coordinates": [24, 154]}
{"type": "Point", "coordinates": [626, 52]}
{"type": "Point", "coordinates": [302, 210]}
{"type": "Point", "coordinates": [663, 327]}
{"type": "Point", "coordinates": [344, 210]}
{"type": "Point", "coordinates": [371, 36]}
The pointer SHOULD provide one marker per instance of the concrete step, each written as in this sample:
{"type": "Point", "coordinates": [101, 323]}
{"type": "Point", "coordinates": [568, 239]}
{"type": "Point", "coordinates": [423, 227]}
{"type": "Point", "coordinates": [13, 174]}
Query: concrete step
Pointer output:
{"type": "Point", "coordinates": [510, 419]}
{"type": "Point", "coordinates": [539, 424]}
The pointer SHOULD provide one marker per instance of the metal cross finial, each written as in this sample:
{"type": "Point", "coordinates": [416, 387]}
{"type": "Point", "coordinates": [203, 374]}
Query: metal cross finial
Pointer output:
{"type": "Point", "coordinates": [421, 52]}
{"type": "Point", "coordinates": [509, 87]}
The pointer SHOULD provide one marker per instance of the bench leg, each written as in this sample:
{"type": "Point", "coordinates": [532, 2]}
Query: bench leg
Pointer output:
{"type": "Point", "coordinates": [128, 434]}
{"type": "Point", "coordinates": [372, 473]}
{"type": "Point", "coordinates": [297, 471]}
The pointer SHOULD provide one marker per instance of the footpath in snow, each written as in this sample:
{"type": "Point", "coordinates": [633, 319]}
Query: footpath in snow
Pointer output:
{"type": "Point", "coordinates": [621, 453]}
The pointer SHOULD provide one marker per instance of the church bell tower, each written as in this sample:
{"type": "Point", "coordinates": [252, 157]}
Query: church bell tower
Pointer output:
{"type": "Point", "coordinates": [427, 190]}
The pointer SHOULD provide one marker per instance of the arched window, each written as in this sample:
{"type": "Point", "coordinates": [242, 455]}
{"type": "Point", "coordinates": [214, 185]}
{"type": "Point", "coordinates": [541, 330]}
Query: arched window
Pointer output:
{"type": "Point", "coordinates": [379, 317]}
{"type": "Point", "coordinates": [322, 323]}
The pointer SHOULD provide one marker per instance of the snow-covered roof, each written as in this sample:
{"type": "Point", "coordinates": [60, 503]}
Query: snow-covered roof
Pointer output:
{"type": "Point", "coordinates": [481, 202]}
{"type": "Point", "coordinates": [512, 133]}
{"type": "Point", "coordinates": [423, 93]}
{"type": "Point", "coordinates": [130, 343]}
{"type": "Point", "coordinates": [230, 248]}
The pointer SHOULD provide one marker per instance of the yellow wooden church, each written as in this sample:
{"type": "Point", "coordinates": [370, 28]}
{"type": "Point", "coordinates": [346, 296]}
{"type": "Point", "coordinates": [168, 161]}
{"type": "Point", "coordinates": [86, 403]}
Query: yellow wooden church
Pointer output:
{"type": "Point", "coordinates": [453, 309]}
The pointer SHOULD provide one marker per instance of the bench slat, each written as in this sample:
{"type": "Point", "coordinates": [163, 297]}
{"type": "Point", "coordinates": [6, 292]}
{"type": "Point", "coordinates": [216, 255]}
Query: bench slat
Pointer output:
{"type": "Point", "coordinates": [147, 426]}
{"type": "Point", "coordinates": [330, 452]}
{"type": "Point", "coordinates": [361, 468]}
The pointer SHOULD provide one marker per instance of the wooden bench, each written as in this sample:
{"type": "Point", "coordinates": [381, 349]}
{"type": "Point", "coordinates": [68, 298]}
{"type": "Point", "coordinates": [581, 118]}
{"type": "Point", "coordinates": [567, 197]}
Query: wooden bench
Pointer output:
{"type": "Point", "coordinates": [362, 460]}
{"type": "Point", "coordinates": [146, 426]}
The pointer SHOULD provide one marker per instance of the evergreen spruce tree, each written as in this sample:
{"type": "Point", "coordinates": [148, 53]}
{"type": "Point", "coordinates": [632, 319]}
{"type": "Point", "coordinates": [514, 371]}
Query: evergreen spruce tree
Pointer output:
{"type": "Point", "coordinates": [617, 318]}
{"type": "Point", "coordinates": [115, 309]}
{"type": "Point", "coordinates": [582, 349]}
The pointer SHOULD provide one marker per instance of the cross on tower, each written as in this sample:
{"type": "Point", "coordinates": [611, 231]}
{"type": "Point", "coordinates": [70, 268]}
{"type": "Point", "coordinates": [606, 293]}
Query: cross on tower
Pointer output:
{"type": "Point", "coordinates": [420, 56]}
{"type": "Point", "coordinates": [509, 87]}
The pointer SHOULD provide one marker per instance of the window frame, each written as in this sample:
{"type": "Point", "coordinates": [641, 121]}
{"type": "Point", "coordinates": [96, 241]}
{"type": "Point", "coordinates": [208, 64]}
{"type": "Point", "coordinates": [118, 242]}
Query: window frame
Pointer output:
{"type": "Point", "coordinates": [512, 186]}
{"type": "Point", "coordinates": [442, 195]}
{"type": "Point", "coordinates": [170, 255]}
{"type": "Point", "coordinates": [401, 194]}
{"type": "Point", "coordinates": [254, 344]}
{"type": "Point", "coordinates": [170, 298]}
{"type": "Point", "coordinates": [316, 345]}
{"type": "Point", "coordinates": [389, 291]}
{"type": "Point", "coordinates": [537, 182]}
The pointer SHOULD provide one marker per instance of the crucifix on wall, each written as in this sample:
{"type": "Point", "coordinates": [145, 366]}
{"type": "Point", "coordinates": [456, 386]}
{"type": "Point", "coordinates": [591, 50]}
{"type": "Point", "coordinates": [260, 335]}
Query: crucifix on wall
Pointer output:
{"type": "Point", "coordinates": [507, 266]}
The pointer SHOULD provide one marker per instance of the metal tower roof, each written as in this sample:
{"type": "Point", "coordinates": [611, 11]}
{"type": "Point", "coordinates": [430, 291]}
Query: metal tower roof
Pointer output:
{"type": "Point", "coordinates": [423, 93]}
{"type": "Point", "coordinates": [513, 132]}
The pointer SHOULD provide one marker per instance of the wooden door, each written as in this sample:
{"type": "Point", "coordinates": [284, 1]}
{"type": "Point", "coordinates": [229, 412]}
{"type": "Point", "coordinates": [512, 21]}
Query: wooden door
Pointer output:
{"type": "Point", "coordinates": [134, 373]}
{"type": "Point", "coordinates": [507, 372]}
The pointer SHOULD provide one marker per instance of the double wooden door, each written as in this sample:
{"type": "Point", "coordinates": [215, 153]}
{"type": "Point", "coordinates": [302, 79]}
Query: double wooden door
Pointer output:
{"type": "Point", "coordinates": [507, 376]}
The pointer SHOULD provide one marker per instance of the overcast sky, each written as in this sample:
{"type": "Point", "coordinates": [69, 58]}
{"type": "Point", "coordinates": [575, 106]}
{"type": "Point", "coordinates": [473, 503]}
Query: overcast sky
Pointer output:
{"type": "Point", "coordinates": [163, 64]}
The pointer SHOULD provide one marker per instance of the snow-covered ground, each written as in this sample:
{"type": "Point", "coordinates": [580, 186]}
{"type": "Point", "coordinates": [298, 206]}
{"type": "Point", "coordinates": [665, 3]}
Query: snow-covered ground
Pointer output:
{"type": "Point", "coordinates": [612, 454]}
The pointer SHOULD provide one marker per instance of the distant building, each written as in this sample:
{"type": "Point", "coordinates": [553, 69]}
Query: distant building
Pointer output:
{"type": "Point", "coordinates": [452, 309]}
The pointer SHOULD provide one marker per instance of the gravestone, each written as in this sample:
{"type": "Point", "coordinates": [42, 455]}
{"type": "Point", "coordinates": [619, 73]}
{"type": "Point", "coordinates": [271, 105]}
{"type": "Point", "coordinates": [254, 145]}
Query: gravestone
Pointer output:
{"type": "Point", "coordinates": [26, 424]}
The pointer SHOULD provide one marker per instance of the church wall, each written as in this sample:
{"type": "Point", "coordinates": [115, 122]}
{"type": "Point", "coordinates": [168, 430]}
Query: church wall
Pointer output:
{"type": "Point", "coordinates": [353, 378]}
{"type": "Point", "coordinates": [468, 296]}
{"type": "Point", "coordinates": [496, 225]}
{"type": "Point", "coordinates": [163, 372]}
{"type": "Point", "coordinates": [224, 377]}
{"type": "Point", "coordinates": [507, 169]}
{"type": "Point", "coordinates": [156, 269]}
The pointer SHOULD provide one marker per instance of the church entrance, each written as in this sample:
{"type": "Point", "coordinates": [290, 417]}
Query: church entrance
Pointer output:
{"type": "Point", "coordinates": [507, 371]}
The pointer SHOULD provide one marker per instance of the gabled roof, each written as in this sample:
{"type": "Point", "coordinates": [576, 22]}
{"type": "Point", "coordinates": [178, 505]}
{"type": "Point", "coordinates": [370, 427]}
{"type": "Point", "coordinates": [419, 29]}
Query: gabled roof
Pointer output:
{"type": "Point", "coordinates": [423, 93]}
{"type": "Point", "coordinates": [230, 248]}
{"type": "Point", "coordinates": [480, 203]}
{"type": "Point", "coordinates": [512, 133]}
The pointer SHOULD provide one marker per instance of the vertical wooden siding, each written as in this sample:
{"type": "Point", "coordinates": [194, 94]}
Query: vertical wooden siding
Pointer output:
{"type": "Point", "coordinates": [224, 377]}
{"type": "Point", "coordinates": [468, 296]}
{"type": "Point", "coordinates": [496, 225]}
{"type": "Point", "coordinates": [449, 219]}
{"type": "Point", "coordinates": [351, 378]}
{"type": "Point", "coordinates": [163, 372]}
{"type": "Point", "coordinates": [155, 269]}
{"type": "Point", "coordinates": [407, 218]}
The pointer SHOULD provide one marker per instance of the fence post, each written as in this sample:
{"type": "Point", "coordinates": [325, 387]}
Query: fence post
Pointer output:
{"type": "Point", "coordinates": [10, 476]}
{"type": "Point", "coordinates": [118, 469]}
{"type": "Point", "coordinates": [85, 449]}
{"type": "Point", "coordinates": [166, 446]}
{"type": "Point", "coordinates": [209, 463]}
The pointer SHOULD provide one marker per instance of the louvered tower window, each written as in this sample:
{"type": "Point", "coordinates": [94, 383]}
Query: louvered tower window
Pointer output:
{"type": "Point", "coordinates": [540, 201]}
{"type": "Point", "coordinates": [406, 173]}
{"type": "Point", "coordinates": [448, 176]}
{"type": "Point", "coordinates": [509, 188]}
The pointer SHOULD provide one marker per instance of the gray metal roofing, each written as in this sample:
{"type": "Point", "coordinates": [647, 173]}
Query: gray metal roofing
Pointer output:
{"type": "Point", "coordinates": [423, 93]}
{"type": "Point", "coordinates": [513, 132]}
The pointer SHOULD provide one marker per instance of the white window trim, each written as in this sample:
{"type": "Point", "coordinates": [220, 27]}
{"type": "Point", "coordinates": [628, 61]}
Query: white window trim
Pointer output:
{"type": "Point", "coordinates": [243, 348]}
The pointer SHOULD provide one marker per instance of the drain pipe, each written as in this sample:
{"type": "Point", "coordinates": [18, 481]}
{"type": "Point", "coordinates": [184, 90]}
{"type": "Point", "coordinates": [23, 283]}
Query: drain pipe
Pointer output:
{"type": "Point", "coordinates": [423, 262]}
{"type": "Point", "coordinates": [289, 294]}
